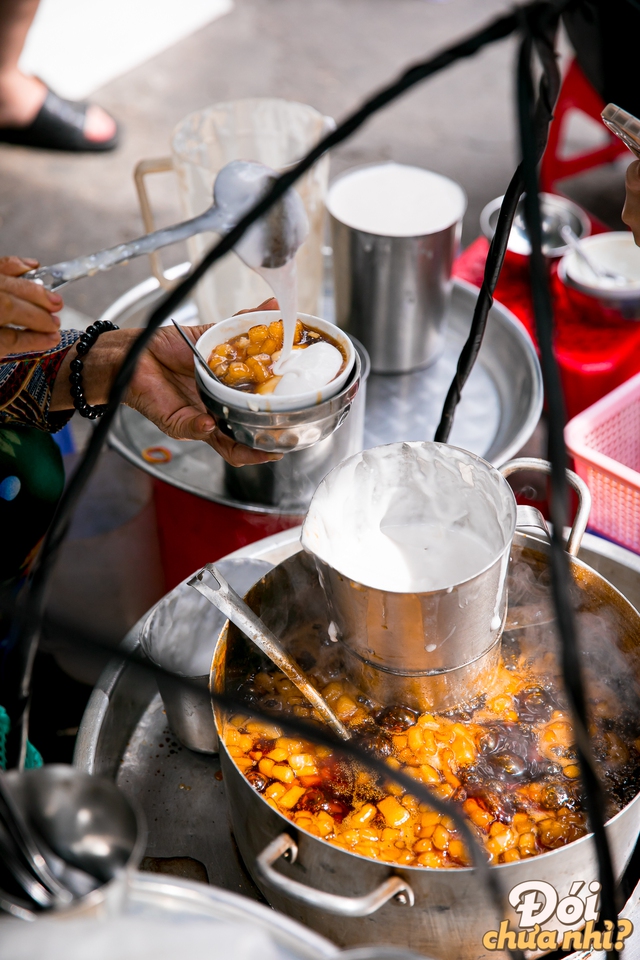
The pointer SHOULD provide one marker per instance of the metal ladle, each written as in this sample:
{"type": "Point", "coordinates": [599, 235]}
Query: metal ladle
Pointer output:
{"type": "Point", "coordinates": [270, 242]}
{"type": "Point", "coordinates": [225, 598]}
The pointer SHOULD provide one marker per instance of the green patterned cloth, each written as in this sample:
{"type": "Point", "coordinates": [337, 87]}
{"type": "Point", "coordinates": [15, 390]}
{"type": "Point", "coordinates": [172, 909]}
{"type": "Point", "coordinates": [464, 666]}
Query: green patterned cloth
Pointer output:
{"type": "Point", "coordinates": [33, 757]}
{"type": "Point", "coordinates": [31, 482]}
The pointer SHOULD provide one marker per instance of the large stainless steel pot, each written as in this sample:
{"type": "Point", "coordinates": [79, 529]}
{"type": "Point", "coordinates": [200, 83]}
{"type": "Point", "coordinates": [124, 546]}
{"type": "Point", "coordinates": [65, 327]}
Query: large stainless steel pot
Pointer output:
{"type": "Point", "coordinates": [444, 913]}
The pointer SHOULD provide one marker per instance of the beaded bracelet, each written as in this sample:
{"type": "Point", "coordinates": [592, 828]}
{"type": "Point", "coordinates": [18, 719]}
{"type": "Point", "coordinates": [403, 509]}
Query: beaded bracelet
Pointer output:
{"type": "Point", "coordinates": [83, 346]}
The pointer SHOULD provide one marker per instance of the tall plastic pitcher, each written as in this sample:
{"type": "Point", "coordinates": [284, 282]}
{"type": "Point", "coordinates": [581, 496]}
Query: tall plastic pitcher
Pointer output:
{"type": "Point", "coordinates": [271, 131]}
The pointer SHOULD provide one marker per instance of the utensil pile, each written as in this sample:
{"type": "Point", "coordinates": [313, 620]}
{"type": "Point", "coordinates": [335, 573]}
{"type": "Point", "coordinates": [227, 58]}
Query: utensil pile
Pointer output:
{"type": "Point", "coordinates": [63, 835]}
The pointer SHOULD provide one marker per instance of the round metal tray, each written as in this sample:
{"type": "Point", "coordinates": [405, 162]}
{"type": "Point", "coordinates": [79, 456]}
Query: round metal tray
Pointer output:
{"type": "Point", "coordinates": [499, 410]}
{"type": "Point", "coordinates": [124, 736]}
{"type": "Point", "coordinates": [151, 898]}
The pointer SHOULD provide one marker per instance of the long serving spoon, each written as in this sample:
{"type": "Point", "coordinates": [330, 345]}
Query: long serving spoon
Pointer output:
{"type": "Point", "coordinates": [199, 357]}
{"type": "Point", "coordinates": [270, 243]}
{"type": "Point", "coordinates": [600, 273]}
{"type": "Point", "coordinates": [231, 604]}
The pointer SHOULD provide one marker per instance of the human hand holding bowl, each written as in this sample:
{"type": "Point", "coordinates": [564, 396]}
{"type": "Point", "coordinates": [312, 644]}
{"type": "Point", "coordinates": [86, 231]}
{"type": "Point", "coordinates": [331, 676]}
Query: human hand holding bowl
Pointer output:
{"type": "Point", "coordinates": [162, 388]}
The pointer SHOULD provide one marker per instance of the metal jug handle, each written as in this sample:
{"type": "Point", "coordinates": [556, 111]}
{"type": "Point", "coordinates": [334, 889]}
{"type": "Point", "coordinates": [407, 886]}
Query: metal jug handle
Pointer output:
{"type": "Point", "coordinates": [529, 519]}
{"type": "Point", "coordinates": [284, 846]}
{"type": "Point", "coordinates": [143, 169]}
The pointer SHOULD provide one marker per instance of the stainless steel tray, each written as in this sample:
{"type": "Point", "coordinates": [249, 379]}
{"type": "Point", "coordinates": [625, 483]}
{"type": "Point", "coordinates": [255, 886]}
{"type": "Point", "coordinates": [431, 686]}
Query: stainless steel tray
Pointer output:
{"type": "Point", "coordinates": [124, 736]}
{"type": "Point", "coordinates": [149, 900]}
{"type": "Point", "coordinates": [499, 410]}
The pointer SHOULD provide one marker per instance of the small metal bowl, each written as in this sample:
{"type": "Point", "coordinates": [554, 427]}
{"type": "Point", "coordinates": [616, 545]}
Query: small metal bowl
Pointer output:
{"type": "Point", "coordinates": [289, 430]}
{"type": "Point", "coordinates": [557, 212]}
{"type": "Point", "coordinates": [86, 821]}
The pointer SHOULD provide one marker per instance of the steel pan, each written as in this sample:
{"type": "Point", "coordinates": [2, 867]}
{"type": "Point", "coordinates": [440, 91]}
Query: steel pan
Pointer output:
{"type": "Point", "coordinates": [443, 913]}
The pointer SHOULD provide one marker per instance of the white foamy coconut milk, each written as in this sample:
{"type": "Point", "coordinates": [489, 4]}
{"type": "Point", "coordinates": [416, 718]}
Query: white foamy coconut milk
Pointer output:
{"type": "Point", "coordinates": [411, 518]}
{"type": "Point", "coordinates": [396, 200]}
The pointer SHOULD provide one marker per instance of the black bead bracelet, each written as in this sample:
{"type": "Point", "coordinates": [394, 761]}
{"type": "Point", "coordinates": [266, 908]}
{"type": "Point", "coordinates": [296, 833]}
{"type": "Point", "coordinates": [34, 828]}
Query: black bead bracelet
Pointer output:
{"type": "Point", "coordinates": [83, 345]}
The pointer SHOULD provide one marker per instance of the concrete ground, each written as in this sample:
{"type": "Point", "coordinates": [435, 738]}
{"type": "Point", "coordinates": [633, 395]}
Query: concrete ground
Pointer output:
{"type": "Point", "coordinates": [324, 52]}
{"type": "Point", "coordinates": [328, 53]}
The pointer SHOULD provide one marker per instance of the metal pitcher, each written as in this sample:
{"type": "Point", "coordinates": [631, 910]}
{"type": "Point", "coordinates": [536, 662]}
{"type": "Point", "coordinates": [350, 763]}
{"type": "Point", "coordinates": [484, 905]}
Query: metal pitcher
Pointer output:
{"type": "Point", "coordinates": [426, 648]}
{"type": "Point", "coordinates": [392, 292]}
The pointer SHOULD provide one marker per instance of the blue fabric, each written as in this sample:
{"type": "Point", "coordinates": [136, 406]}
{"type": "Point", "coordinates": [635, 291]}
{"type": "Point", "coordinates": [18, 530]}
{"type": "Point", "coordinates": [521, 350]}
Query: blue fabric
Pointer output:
{"type": "Point", "coordinates": [64, 439]}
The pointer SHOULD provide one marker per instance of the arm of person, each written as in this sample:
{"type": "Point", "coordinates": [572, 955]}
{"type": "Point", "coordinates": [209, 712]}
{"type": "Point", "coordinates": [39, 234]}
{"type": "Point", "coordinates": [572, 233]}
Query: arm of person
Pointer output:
{"type": "Point", "coordinates": [27, 311]}
{"type": "Point", "coordinates": [163, 388]}
{"type": "Point", "coordinates": [631, 211]}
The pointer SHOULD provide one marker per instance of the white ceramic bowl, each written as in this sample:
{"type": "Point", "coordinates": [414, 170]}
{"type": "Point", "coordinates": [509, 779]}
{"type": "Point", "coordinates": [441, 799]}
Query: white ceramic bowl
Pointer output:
{"type": "Point", "coordinates": [612, 251]}
{"type": "Point", "coordinates": [270, 402]}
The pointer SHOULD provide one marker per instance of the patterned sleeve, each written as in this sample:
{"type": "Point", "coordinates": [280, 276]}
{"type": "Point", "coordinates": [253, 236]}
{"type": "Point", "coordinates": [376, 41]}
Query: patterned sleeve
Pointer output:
{"type": "Point", "coordinates": [26, 383]}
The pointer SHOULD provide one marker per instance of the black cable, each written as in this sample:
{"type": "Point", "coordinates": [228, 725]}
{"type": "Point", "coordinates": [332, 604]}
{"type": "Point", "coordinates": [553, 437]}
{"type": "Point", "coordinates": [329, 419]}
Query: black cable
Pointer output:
{"type": "Point", "coordinates": [14, 691]}
{"type": "Point", "coordinates": [492, 269]}
{"type": "Point", "coordinates": [498, 248]}
{"type": "Point", "coordinates": [560, 569]}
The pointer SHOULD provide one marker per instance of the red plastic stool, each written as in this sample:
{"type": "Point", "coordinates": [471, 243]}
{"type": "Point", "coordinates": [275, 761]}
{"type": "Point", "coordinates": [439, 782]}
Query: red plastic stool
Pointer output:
{"type": "Point", "coordinates": [576, 94]}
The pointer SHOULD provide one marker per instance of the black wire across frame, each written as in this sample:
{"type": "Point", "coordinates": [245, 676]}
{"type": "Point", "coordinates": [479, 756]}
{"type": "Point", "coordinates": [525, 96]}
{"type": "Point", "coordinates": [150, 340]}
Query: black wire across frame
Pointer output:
{"type": "Point", "coordinates": [537, 21]}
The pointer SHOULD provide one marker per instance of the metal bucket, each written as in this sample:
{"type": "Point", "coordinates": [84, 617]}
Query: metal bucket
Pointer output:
{"type": "Point", "coordinates": [392, 292]}
{"type": "Point", "coordinates": [428, 649]}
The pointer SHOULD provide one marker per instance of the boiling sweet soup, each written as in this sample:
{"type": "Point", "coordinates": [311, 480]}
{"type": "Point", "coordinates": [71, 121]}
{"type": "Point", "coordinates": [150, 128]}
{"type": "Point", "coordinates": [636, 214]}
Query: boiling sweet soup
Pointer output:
{"type": "Point", "coordinates": [247, 362]}
{"type": "Point", "coordinates": [507, 758]}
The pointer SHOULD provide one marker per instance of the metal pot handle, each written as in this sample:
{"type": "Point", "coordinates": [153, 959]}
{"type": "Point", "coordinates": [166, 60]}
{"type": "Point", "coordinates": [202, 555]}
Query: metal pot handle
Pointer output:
{"type": "Point", "coordinates": [584, 500]}
{"type": "Point", "coordinates": [285, 846]}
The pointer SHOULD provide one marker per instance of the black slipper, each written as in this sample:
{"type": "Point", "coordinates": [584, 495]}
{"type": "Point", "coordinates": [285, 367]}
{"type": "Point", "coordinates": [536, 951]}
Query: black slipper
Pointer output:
{"type": "Point", "coordinates": [59, 125]}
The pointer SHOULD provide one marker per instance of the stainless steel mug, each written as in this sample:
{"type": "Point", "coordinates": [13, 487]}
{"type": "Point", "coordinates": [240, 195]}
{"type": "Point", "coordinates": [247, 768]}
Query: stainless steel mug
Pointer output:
{"type": "Point", "coordinates": [392, 288]}
{"type": "Point", "coordinates": [425, 648]}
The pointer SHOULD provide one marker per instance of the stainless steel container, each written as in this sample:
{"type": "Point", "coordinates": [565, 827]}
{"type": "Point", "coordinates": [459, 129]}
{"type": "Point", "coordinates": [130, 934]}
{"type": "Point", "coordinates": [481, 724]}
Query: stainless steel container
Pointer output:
{"type": "Point", "coordinates": [428, 650]}
{"type": "Point", "coordinates": [122, 714]}
{"type": "Point", "coordinates": [442, 913]}
{"type": "Point", "coordinates": [290, 483]}
{"type": "Point", "coordinates": [556, 212]}
{"type": "Point", "coordinates": [392, 292]}
{"type": "Point", "coordinates": [179, 634]}
{"type": "Point", "coordinates": [287, 431]}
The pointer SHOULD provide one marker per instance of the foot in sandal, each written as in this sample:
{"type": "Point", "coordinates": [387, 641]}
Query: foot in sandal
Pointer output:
{"type": "Point", "coordinates": [31, 115]}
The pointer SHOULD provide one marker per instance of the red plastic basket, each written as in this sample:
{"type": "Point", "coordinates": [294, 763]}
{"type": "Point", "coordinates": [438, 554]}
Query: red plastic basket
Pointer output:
{"type": "Point", "coordinates": [605, 442]}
